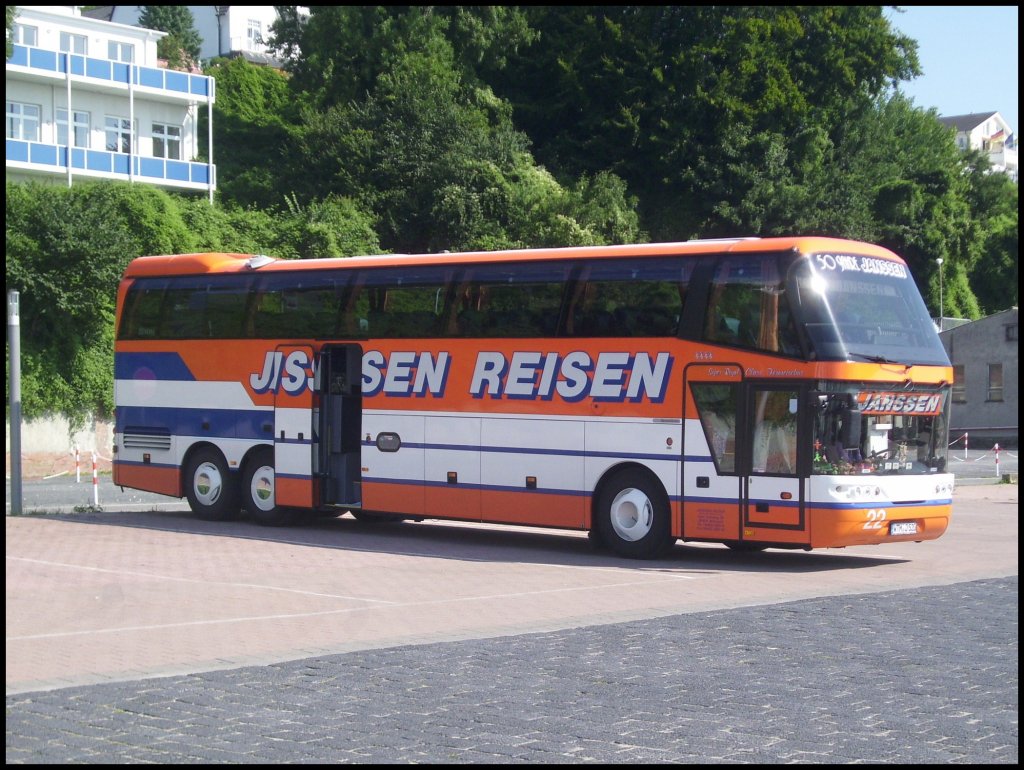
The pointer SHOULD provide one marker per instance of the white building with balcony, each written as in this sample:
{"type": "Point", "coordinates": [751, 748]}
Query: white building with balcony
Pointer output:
{"type": "Point", "coordinates": [87, 99]}
{"type": "Point", "coordinates": [988, 132]}
{"type": "Point", "coordinates": [225, 30]}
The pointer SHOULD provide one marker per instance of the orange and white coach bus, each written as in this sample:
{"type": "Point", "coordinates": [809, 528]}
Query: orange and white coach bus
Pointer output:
{"type": "Point", "coordinates": [780, 392]}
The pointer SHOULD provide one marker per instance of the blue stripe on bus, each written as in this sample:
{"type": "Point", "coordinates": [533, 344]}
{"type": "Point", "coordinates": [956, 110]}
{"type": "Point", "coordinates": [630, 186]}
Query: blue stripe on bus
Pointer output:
{"type": "Point", "coordinates": [530, 451]}
{"type": "Point", "coordinates": [831, 506]}
{"type": "Point", "coordinates": [220, 423]}
{"type": "Point", "coordinates": [151, 366]}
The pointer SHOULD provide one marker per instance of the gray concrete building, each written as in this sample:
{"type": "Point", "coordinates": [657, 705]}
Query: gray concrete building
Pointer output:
{"type": "Point", "coordinates": [984, 357]}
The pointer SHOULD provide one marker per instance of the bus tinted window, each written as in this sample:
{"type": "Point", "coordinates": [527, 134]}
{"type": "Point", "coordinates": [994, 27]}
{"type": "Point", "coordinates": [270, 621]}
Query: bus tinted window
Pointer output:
{"type": "Point", "coordinates": [523, 300]}
{"type": "Point", "coordinates": [143, 308]}
{"type": "Point", "coordinates": [748, 306]}
{"type": "Point", "coordinates": [190, 307]}
{"type": "Point", "coordinates": [305, 304]}
{"type": "Point", "coordinates": [399, 303]}
{"type": "Point", "coordinates": [634, 298]}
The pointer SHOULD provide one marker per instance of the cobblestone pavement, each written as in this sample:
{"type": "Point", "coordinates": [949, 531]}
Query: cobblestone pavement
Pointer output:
{"type": "Point", "coordinates": [926, 675]}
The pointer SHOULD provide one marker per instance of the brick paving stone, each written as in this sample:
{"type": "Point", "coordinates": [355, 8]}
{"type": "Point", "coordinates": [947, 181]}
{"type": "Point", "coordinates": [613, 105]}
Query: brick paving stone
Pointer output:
{"type": "Point", "coordinates": [927, 675]}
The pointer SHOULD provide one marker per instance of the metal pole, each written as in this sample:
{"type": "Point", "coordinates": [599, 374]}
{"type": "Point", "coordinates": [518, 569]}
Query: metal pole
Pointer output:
{"type": "Point", "coordinates": [941, 311]}
{"type": "Point", "coordinates": [14, 352]}
{"type": "Point", "coordinates": [71, 119]}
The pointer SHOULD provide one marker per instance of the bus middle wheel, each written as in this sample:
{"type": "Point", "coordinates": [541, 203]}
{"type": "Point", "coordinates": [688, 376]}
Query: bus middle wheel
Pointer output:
{"type": "Point", "coordinates": [259, 495]}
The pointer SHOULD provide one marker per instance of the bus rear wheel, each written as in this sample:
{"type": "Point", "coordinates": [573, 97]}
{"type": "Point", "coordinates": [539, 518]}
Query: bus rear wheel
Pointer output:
{"type": "Point", "coordinates": [258, 491]}
{"type": "Point", "coordinates": [209, 486]}
{"type": "Point", "coordinates": [633, 516]}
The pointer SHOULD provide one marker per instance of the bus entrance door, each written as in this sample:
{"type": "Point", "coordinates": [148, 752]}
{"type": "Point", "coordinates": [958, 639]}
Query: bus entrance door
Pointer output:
{"type": "Point", "coordinates": [339, 390]}
{"type": "Point", "coordinates": [711, 481]}
{"type": "Point", "coordinates": [773, 509]}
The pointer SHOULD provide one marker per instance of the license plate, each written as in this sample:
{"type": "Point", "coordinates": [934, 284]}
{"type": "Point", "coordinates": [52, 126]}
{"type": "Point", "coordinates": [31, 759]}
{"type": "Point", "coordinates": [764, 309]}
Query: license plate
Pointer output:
{"type": "Point", "coordinates": [903, 528]}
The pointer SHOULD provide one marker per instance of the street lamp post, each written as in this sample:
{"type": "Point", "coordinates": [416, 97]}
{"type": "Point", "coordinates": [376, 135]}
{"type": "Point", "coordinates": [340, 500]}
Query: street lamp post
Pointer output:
{"type": "Point", "coordinates": [941, 312]}
{"type": "Point", "coordinates": [220, 11]}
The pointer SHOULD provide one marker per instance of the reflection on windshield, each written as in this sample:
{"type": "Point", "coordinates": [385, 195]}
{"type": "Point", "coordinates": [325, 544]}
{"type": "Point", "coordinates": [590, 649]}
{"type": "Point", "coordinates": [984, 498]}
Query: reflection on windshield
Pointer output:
{"type": "Point", "coordinates": [861, 308]}
{"type": "Point", "coordinates": [861, 430]}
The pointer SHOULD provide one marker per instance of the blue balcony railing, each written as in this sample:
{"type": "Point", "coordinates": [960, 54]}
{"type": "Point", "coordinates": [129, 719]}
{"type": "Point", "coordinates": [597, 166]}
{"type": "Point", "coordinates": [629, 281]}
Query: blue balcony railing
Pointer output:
{"type": "Point", "coordinates": [104, 70]}
{"type": "Point", "coordinates": [53, 158]}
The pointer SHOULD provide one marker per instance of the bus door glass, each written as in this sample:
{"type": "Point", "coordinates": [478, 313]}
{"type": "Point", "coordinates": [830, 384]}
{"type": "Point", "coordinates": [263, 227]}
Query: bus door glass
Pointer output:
{"type": "Point", "coordinates": [339, 422]}
{"type": "Point", "coordinates": [777, 449]}
{"type": "Point", "coordinates": [711, 481]}
{"type": "Point", "coordinates": [294, 429]}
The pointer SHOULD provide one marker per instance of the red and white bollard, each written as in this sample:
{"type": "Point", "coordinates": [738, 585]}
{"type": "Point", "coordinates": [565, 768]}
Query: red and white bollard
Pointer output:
{"type": "Point", "coordinates": [95, 483]}
{"type": "Point", "coordinates": [997, 460]}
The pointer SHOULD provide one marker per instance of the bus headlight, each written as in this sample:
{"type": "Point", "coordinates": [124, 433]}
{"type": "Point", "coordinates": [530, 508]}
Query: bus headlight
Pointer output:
{"type": "Point", "coordinates": [857, 491]}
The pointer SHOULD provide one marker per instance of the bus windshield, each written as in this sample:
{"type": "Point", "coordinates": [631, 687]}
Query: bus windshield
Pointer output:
{"type": "Point", "coordinates": [856, 308]}
{"type": "Point", "coordinates": [861, 428]}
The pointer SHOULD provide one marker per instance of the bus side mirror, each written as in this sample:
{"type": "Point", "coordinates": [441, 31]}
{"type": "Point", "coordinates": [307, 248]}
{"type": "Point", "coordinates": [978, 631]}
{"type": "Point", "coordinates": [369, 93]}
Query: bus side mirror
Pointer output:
{"type": "Point", "coordinates": [817, 401]}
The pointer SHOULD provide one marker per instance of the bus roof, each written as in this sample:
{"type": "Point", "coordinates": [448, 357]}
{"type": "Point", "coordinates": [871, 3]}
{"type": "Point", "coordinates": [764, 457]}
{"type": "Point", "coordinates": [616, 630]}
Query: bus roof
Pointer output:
{"type": "Point", "coordinates": [221, 262]}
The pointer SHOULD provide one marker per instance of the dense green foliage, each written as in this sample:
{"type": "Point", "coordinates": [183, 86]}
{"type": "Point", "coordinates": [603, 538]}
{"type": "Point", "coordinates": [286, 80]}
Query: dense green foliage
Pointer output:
{"type": "Point", "coordinates": [425, 128]}
{"type": "Point", "coordinates": [67, 248]}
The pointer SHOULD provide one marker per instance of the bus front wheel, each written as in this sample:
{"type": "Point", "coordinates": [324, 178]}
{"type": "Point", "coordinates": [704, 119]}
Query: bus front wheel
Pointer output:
{"type": "Point", "coordinates": [259, 496]}
{"type": "Point", "coordinates": [210, 488]}
{"type": "Point", "coordinates": [633, 517]}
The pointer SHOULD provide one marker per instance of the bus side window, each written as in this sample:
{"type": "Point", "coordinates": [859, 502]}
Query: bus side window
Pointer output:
{"type": "Point", "coordinates": [143, 308]}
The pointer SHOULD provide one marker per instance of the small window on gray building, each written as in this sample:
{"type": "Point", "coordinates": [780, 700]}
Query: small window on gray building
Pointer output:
{"type": "Point", "coordinates": [959, 385]}
{"type": "Point", "coordinates": [995, 382]}
{"type": "Point", "coordinates": [1011, 332]}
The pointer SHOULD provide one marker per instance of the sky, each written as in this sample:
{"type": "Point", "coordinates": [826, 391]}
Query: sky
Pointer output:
{"type": "Point", "coordinates": [968, 55]}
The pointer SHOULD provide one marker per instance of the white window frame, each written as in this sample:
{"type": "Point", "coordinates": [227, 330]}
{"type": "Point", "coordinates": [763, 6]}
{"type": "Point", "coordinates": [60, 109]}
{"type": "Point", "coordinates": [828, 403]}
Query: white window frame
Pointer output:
{"type": "Point", "coordinates": [120, 51]}
{"type": "Point", "coordinates": [71, 42]}
{"type": "Point", "coordinates": [25, 34]}
{"type": "Point", "coordinates": [254, 33]}
{"type": "Point", "coordinates": [80, 127]}
{"type": "Point", "coordinates": [23, 121]}
{"type": "Point", "coordinates": [167, 141]}
{"type": "Point", "coordinates": [120, 129]}
{"type": "Point", "coordinates": [959, 384]}
{"type": "Point", "coordinates": [995, 382]}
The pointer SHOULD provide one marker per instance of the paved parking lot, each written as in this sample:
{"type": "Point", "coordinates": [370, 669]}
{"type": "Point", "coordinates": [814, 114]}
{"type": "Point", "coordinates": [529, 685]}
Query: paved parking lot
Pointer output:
{"type": "Point", "coordinates": [146, 635]}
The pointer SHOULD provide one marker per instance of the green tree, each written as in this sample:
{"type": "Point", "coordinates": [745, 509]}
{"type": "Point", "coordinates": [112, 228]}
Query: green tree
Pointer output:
{"type": "Point", "coordinates": [994, 203]}
{"type": "Point", "coordinates": [398, 121]}
{"type": "Point", "coordinates": [253, 119]}
{"type": "Point", "coordinates": [66, 250]}
{"type": "Point", "coordinates": [182, 45]}
{"type": "Point", "coordinates": [11, 13]}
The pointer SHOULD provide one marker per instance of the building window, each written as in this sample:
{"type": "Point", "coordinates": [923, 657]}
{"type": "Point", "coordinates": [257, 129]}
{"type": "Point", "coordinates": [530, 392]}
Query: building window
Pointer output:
{"type": "Point", "coordinates": [1011, 332]}
{"type": "Point", "coordinates": [122, 52]}
{"type": "Point", "coordinates": [71, 43]}
{"type": "Point", "coordinates": [26, 35]}
{"type": "Point", "coordinates": [995, 382]}
{"type": "Point", "coordinates": [255, 33]}
{"type": "Point", "coordinates": [23, 121]}
{"type": "Point", "coordinates": [166, 141]}
{"type": "Point", "coordinates": [81, 127]}
{"type": "Point", "coordinates": [959, 385]}
{"type": "Point", "coordinates": [119, 134]}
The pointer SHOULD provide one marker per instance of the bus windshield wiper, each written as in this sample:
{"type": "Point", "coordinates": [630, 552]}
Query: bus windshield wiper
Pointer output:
{"type": "Point", "coordinates": [877, 359]}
